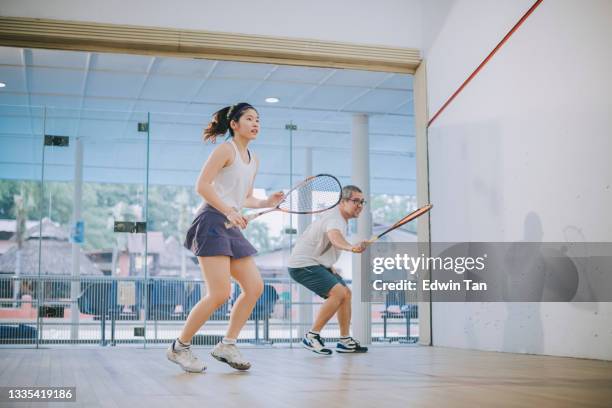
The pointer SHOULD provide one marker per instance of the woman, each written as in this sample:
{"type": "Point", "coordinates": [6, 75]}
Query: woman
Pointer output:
{"type": "Point", "coordinates": [226, 184]}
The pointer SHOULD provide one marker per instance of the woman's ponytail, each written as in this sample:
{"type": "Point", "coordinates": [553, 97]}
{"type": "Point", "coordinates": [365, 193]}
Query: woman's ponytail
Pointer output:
{"type": "Point", "coordinates": [220, 122]}
{"type": "Point", "coordinates": [218, 125]}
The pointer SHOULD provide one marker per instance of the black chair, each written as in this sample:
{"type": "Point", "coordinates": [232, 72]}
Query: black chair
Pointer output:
{"type": "Point", "coordinates": [194, 294]}
{"type": "Point", "coordinates": [100, 299]}
{"type": "Point", "coordinates": [17, 334]}
{"type": "Point", "coordinates": [405, 310]}
{"type": "Point", "coordinates": [164, 296]}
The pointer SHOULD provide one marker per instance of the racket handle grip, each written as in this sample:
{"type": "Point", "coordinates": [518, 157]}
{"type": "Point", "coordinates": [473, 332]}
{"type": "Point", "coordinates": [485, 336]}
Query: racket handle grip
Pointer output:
{"type": "Point", "coordinates": [368, 242]}
{"type": "Point", "coordinates": [249, 217]}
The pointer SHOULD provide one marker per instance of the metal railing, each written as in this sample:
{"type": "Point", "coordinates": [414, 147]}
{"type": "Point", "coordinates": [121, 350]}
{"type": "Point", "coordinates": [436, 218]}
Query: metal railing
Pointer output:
{"type": "Point", "coordinates": [112, 311]}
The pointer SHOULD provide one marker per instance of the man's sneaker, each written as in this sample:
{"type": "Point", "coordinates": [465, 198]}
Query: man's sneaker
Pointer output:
{"type": "Point", "coordinates": [313, 342]}
{"type": "Point", "coordinates": [185, 359]}
{"type": "Point", "coordinates": [350, 345]}
{"type": "Point", "coordinates": [229, 353]}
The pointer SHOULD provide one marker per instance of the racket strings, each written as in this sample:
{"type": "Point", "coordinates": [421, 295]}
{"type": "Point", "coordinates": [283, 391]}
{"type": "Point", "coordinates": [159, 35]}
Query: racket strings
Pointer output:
{"type": "Point", "coordinates": [410, 217]}
{"type": "Point", "coordinates": [316, 194]}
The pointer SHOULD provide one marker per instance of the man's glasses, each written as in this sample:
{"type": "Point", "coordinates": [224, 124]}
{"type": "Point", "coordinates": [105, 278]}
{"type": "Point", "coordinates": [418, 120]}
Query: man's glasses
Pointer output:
{"type": "Point", "coordinates": [357, 201]}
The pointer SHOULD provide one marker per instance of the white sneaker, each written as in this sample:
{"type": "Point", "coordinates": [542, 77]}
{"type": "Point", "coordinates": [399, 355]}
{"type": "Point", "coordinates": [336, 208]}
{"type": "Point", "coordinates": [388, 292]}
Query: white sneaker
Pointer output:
{"type": "Point", "coordinates": [350, 345]}
{"type": "Point", "coordinates": [185, 359]}
{"type": "Point", "coordinates": [229, 353]}
{"type": "Point", "coordinates": [314, 342]}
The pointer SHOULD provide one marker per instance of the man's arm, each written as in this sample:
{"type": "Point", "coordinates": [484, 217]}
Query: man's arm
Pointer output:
{"type": "Point", "coordinates": [337, 240]}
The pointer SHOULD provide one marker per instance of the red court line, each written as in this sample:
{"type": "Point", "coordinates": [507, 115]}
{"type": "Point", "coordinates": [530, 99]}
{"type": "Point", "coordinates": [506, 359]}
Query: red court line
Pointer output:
{"type": "Point", "coordinates": [484, 62]}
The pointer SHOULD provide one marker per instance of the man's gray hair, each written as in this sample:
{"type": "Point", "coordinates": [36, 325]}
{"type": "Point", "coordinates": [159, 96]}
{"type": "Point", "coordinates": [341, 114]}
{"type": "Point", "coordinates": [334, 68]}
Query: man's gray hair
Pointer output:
{"type": "Point", "coordinates": [347, 191]}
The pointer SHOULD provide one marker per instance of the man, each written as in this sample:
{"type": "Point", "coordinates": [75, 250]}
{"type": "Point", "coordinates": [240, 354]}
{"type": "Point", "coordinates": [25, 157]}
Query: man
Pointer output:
{"type": "Point", "coordinates": [310, 264]}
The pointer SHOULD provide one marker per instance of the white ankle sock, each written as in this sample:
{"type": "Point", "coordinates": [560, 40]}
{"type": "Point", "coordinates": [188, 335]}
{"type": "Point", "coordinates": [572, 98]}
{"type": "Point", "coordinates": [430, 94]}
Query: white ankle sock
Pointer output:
{"type": "Point", "coordinates": [179, 345]}
{"type": "Point", "coordinates": [228, 341]}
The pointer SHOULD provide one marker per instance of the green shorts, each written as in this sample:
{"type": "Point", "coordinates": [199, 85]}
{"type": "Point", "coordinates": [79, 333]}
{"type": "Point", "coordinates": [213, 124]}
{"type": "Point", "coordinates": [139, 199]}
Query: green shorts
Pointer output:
{"type": "Point", "coordinates": [317, 278]}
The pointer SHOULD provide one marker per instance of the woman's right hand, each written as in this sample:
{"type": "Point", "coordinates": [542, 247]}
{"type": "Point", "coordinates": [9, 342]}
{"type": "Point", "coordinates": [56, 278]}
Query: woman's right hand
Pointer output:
{"type": "Point", "coordinates": [236, 219]}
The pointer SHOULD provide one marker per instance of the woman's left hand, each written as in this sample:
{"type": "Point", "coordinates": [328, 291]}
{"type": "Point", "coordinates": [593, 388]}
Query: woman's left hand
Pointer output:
{"type": "Point", "coordinates": [274, 199]}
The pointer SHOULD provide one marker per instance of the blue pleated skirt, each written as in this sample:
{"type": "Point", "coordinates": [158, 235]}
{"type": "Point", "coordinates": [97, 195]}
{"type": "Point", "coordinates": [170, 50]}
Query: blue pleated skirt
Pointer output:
{"type": "Point", "coordinates": [208, 236]}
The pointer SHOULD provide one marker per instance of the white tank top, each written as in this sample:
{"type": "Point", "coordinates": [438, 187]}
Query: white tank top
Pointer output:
{"type": "Point", "coordinates": [234, 181]}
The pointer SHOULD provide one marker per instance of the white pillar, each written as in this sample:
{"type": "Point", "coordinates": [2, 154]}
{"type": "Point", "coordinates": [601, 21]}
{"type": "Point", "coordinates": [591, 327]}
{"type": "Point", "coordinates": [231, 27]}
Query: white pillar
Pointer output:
{"type": "Point", "coordinates": [422, 171]}
{"type": "Point", "coordinates": [75, 286]}
{"type": "Point", "coordinates": [361, 320]}
{"type": "Point", "coordinates": [304, 220]}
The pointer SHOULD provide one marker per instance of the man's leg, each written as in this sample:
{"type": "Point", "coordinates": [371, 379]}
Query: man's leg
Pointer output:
{"type": "Point", "coordinates": [325, 284]}
{"type": "Point", "coordinates": [344, 314]}
{"type": "Point", "coordinates": [312, 340]}
{"type": "Point", "coordinates": [347, 344]}
{"type": "Point", "coordinates": [335, 299]}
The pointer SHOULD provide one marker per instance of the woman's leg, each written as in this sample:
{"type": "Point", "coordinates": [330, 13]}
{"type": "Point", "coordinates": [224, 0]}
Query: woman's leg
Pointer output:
{"type": "Point", "coordinates": [247, 275]}
{"type": "Point", "coordinates": [216, 273]}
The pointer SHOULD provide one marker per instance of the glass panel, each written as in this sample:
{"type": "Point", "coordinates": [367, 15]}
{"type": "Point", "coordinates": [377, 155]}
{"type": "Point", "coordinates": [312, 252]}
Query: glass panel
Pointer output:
{"type": "Point", "coordinates": [177, 154]}
{"type": "Point", "coordinates": [94, 176]}
{"type": "Point", "coordinates": [139, 285]}
{"type": "Point", "coordinates": [393, 187]}
{"type": "Point", "coordinates": [21, 138]}
{"type": "Point", "coordinates": [278, 163]}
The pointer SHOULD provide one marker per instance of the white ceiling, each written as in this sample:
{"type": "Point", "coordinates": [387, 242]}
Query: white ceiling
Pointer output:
{"type": "Point", "coordinates": [100, 97]}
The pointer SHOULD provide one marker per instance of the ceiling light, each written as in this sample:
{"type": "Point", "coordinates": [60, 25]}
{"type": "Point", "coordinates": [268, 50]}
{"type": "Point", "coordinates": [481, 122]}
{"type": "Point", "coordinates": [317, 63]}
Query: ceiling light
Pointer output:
{"type": "Point", "coordinates": [272, 100]}
{"type": "Point", "coordinates": [2, 84]}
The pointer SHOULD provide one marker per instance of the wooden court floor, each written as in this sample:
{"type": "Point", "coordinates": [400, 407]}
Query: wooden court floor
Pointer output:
{"type": "Point", "coordinates": [387, 376]}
